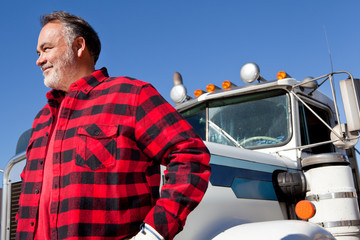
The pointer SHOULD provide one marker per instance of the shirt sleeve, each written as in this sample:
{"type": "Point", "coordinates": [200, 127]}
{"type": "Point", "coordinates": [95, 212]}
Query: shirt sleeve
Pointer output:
{"type": "Point", "coordinates": [168, 139]}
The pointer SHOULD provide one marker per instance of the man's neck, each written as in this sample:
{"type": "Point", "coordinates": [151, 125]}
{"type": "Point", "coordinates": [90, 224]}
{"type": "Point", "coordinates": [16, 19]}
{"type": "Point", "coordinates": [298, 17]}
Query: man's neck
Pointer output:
{"type": "Point", "coordinates": [83, 72]}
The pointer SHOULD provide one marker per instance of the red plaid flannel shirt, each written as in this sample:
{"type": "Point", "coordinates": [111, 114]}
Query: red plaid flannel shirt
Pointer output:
{"type": "Point", "coordinates": [112, 136]}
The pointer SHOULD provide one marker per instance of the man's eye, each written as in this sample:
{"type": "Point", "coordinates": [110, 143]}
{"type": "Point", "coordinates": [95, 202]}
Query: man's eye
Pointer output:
{"type": "Point", "coordinates": [45, 49]}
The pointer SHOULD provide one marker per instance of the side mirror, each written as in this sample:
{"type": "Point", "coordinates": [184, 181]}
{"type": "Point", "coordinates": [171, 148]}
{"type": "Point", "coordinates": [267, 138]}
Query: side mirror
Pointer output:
{"type": "Point", "coordinates": [350, 91]}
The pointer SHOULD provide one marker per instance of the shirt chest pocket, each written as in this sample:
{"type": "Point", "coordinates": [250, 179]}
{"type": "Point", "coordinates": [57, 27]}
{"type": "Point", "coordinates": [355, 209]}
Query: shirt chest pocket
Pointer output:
{"type": "Point", "coordinates": [96, 146]}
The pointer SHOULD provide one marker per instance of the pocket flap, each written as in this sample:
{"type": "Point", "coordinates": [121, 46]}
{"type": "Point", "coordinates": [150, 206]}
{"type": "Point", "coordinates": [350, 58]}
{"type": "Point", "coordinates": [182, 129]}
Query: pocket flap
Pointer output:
{"type": "Point", "coordinates": [98, 130]}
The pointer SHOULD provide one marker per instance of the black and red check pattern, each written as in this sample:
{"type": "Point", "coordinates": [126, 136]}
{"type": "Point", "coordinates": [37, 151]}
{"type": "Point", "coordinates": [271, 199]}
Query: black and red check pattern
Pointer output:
{"type": "Point", "coordinates": [112, 134]}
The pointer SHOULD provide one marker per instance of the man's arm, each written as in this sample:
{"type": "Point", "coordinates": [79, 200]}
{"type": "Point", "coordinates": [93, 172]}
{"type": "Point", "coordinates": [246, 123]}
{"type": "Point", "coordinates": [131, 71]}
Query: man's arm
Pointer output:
{"type": "Point", "coordinates": [167, 138]}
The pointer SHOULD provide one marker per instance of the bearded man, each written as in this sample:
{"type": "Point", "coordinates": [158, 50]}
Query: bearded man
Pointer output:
{"type": "Point", "coordinates": [94, 156]}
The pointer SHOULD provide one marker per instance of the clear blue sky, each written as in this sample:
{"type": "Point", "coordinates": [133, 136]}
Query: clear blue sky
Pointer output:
{"type": "Point", "coordinates": [207, 41]}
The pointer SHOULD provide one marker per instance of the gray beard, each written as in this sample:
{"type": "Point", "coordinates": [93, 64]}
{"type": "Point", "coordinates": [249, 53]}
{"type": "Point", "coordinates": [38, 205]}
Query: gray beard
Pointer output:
{"type": "Point", "coordinates": [64, 71]}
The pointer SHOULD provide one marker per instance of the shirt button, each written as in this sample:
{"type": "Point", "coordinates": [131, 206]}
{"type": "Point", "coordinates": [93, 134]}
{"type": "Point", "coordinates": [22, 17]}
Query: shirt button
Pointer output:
{"type": "Point", "coordinates": [41, 162]}
{"type": "Point", "coordinates": [36, 191]}
{"type": "Point", "coordinates": [46, 134]}
{"type": "Point", "coordinates": [31, 223]}
{"type": "Point", "coordinates": [55, 186]}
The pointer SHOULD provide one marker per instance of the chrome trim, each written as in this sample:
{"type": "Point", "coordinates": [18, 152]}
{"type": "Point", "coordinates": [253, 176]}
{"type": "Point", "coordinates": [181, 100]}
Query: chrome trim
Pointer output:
{"type": "Point", "coordinates": [344, 223]}
{"type": "Point", "coordinates": [318, 197]}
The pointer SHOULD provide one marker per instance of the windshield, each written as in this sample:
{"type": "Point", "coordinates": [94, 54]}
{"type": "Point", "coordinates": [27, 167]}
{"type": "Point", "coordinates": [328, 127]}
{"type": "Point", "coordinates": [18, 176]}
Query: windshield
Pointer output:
{"type": "Point", "coordinates": [252, 121]}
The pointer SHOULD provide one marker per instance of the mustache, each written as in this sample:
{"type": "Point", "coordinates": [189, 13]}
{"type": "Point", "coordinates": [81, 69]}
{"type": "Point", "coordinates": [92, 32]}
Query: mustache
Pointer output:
{"type": "Point", "coordinates": [45, 66]}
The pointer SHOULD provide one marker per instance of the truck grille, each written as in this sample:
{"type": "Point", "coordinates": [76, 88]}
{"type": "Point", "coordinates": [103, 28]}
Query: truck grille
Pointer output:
{"type": "Point", "coordinates": [15, 194]}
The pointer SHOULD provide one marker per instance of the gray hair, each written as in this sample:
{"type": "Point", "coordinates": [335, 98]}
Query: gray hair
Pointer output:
{"type": "Point", "coordinates": [74, 27]}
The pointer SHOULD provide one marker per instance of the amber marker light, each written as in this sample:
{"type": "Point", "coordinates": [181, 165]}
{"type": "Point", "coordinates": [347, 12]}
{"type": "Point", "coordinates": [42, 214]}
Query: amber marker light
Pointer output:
{"type": "Point", "coordinates": [227, 85]}
{"type": "Point", "coordinates": [198, 92]}
{"type": "Point", "coordinates": [305, 209]}
{"type": "Point", "coordinates": [211, 88]}
{"type": "Point", "coordinates": [281, 75]}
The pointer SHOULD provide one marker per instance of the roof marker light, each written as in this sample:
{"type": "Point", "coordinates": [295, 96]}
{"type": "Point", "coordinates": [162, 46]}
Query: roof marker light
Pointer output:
{"type": "Point", "coordinates": [211, 88]}
{"type": "Point", "coordinates": [281, 75]}
{"type": "Point", "coordinates": [227, 84]}
{"type": "Point", "coordinates": [198, 92]}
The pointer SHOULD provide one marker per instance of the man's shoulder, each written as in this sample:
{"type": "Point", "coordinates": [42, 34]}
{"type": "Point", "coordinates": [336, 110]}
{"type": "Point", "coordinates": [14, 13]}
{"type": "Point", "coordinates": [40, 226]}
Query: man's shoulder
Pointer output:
{"type": "Point", "coordinates": [43, 112]}
{"type": "Point", "coordinates": [127, 80]}
{"type": "Point", "coordinates": [124, 84]}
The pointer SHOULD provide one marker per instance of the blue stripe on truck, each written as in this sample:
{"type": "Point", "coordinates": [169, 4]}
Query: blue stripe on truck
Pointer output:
{"type": "Point", "coordinates": [247, 179]}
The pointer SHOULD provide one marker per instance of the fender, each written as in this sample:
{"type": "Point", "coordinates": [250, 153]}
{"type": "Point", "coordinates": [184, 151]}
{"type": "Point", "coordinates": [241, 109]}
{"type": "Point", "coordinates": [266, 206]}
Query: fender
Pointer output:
{"type": "Point", "coordinates": [275, 230]}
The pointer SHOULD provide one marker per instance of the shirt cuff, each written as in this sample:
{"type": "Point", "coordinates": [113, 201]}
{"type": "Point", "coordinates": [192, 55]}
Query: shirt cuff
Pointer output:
{"type": "Point", "coordinates": [149, 230]}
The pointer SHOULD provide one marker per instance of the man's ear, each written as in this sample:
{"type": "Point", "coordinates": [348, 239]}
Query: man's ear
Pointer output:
{"type": "Point", "coordinates": [79, 46]}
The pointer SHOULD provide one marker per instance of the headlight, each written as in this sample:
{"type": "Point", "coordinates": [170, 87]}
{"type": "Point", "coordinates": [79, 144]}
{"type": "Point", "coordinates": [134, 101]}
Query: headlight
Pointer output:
{"type": "Point", "coordinates": [250, 72]}
{"type": "Point", "coordinates": [178, 94]}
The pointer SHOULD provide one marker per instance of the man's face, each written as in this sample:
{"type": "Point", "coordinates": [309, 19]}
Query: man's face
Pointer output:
{"type": "Point", "coordinates": [56, 57]}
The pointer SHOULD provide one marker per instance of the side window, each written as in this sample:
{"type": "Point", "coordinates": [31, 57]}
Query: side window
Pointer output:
{"type": "Point", "coordinates": [313, 130]}
{"type": "Point", "coordinates": [197, 119]}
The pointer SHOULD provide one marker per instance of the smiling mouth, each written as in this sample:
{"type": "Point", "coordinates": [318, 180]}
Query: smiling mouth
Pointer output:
{"type": "Point", "coordinates": [46, 69]}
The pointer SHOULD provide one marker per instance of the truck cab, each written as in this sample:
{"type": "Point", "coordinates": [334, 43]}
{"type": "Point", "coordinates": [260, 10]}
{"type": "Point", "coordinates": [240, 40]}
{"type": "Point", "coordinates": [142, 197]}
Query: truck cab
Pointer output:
{"type": "Point", "coordinates": [263, 139]}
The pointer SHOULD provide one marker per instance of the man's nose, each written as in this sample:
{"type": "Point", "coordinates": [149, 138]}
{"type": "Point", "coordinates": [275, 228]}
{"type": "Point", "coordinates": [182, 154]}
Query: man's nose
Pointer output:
{"type": "Point", "coordinates": [41, 60]}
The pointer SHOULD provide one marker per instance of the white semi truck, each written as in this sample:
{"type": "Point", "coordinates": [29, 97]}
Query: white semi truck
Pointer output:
{"type": "Point", "coordinates": [283, 164]}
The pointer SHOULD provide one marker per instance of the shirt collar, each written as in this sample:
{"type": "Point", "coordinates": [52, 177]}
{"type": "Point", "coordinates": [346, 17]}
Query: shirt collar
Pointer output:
{"type": "Point", "coordinates": [55, 97]}
{"type": "Point", "coordinates": [85, 84]}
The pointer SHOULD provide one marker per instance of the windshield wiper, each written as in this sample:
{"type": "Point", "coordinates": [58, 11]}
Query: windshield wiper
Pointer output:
{"type": "Point", "coordinates": [225, 134]}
